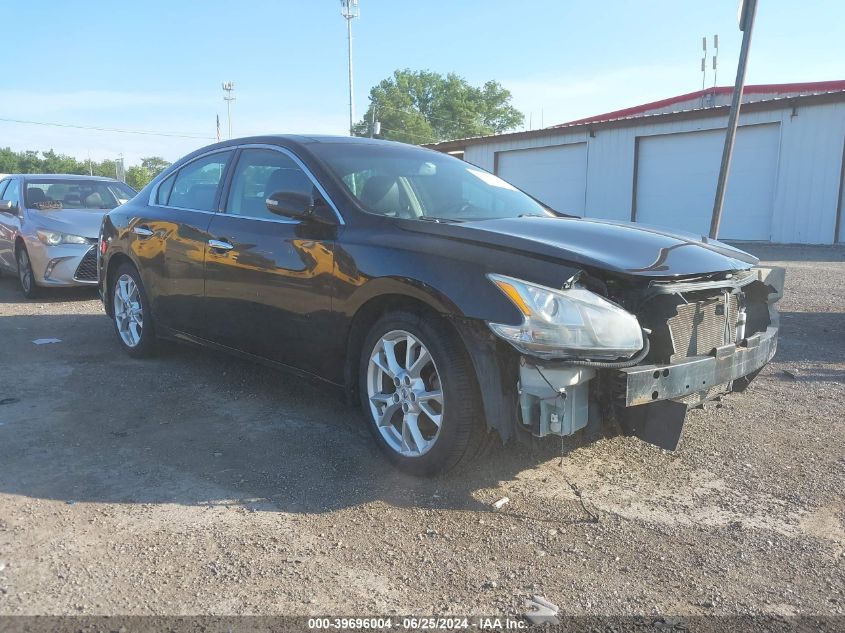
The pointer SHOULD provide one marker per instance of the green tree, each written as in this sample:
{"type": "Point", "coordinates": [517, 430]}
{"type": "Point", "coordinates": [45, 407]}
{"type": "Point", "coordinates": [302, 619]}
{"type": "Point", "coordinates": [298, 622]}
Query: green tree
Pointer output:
{"type": "Point", "coordinates": [53, 163]}
{"type": "Point", "coordinates": [49, 162]}
{"type": "Point", "coordinates": [8, 161]}
{"type": "Point", "coordinates": [107, 168]}
{"type": "Point", "coordinates": [154, 165]}
{"type": "Point", "coordinates": [29, 162]}
{"type": "Point", "coordinates": [424, 107]}
{"type": "Point", "coordinates": [138, 177]}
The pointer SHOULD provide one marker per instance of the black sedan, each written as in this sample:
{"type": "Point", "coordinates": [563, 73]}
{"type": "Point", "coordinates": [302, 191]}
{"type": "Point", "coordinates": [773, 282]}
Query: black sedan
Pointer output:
{"type": "Point", "coordinates": [450, 304]}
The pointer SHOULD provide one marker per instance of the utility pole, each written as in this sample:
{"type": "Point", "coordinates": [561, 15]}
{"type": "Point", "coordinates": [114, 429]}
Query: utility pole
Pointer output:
{"type": "Point", "coordinates": [349, 10]}
{"type": "Point", "coordinates": [228, 88]}
{"type": "Point", "coordinates": [746, 24]}
{"type": "Point", "coordinates": [119, 169]}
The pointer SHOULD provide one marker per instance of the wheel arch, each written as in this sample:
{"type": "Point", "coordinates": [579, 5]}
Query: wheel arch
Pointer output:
{"type": "Point", "coordinates": [114, 262]}
{"type": "Point", "coordinates": [365, 317]}
{"type": "Point", "coordinates": [495, 364]}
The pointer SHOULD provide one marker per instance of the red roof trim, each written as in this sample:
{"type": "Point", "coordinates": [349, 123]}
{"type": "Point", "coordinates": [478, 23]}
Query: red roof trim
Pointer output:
{"type": "Point", "coordinates": [811, 86]}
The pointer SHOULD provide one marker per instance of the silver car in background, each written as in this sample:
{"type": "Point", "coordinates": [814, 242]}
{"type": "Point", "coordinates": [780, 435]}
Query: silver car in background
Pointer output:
{"type": "Point", "coordinates": [49, 225]}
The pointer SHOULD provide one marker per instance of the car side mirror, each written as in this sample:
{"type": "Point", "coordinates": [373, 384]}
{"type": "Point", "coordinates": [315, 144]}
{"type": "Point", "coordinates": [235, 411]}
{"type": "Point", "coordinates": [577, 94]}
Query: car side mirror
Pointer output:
{"type": "Point", "coordinates": [7, 206]}
{"type": "Point", "coordinates": [298, 206]}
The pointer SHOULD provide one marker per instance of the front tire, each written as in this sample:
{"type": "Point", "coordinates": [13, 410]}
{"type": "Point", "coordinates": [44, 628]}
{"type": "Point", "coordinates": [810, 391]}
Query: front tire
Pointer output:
{"type": "Point", "coordinates": [26, 278]}
{"type": "Point", "coordinates": [419, 394]}
{"type": "Point", "coordinates": [132, 319]}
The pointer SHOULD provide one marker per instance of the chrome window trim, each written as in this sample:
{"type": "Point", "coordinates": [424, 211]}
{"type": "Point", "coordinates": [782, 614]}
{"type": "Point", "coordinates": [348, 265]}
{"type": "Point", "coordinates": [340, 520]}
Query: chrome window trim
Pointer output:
{"type": "Point", "coordinates": [276, 148]}
{"type": "Point", "coordinates": [255, 219]}
{"type": "Point", "coordinates": [151, 202]}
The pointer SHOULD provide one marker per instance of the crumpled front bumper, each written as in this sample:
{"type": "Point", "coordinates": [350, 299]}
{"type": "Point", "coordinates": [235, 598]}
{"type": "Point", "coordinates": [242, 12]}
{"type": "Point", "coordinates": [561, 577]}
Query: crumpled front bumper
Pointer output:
{"type": "Point", "coordinates": [654, 399]}
{"type": "Point", "coordinates": [644, 384]}
{"type": "Point", "coordinates": [525, 396]}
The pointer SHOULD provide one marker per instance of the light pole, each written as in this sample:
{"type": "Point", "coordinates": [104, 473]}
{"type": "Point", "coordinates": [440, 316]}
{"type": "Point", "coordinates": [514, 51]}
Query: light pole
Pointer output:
{"type": "Point", "coordinates": [228, 88]}
{"type": "Point", "coordinates": [349, 10]}
{"type": "Point", "coordinates": [748, 10]}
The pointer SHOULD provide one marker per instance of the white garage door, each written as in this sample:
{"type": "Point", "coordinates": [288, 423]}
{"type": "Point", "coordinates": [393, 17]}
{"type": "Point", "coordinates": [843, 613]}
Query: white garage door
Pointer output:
{"type": "Point", "coordinates": [677, 175]}
{"type": "Point", "coordinates": [555, 175]}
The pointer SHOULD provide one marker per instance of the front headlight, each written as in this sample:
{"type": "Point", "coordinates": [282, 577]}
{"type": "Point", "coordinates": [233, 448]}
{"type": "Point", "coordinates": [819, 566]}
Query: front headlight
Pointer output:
{"type": "Point", "coordinates": [54, 238]}
{"type": "Point", "coordinates": [573, 323]}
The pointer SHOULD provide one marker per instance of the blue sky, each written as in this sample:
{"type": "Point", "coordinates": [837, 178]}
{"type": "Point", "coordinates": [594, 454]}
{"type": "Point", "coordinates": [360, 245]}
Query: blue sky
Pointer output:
{"type": "Point", "coordinates": [158, 65]}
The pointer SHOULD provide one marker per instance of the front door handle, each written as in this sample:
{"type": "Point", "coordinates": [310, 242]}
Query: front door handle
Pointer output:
{"type": "Point", "coordinates": [143, 231]}
{"type": "Point", "coordinates": [220, 245]}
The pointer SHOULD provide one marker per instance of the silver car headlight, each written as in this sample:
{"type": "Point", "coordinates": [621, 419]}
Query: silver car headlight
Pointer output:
{"type": "Point", "coordinates": [572, 323]}
{"type": "Point", "coordinates": [54, 238]}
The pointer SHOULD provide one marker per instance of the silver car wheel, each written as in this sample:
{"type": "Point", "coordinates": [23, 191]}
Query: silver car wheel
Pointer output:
{"type": "Point", "coordinates": [128, 310]}
{"type": "Point", "coordinates": [405, 393]}
{"type": "Point", "coordinates": [24, 270]}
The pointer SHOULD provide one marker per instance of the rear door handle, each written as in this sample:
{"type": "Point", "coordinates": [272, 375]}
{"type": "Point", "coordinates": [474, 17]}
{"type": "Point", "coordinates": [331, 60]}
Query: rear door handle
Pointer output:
{"type": "Point", "coordinates": [220, 245]}
{"type": "Point", "coordinates": [143, 231]}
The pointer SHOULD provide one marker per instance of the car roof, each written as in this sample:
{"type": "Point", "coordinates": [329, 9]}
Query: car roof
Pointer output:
{"type": "Point", "coordinates": [311, 138]}
{"type": "Point", "coordinates": [294, 141]}
{"type": "Point", "coordinates": [64, 177]}
{"type": "Point", "coordinates": [300, 140]}
{"type": "Point", "coordinates": [290, 141]}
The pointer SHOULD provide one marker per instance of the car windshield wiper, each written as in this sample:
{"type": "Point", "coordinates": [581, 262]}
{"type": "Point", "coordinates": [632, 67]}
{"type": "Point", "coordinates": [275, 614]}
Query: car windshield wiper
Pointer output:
{"type": "Point", "coordinates": [429, 218]}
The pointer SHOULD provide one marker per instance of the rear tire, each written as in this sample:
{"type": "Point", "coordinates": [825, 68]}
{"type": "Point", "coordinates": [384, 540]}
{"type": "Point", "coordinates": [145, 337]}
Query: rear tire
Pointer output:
{"type": "Point", "coordinates": [26, 277]}
{"type": "Point", "coordinates": [131, 315]}
{"type": "Point", "coordinates": [422, 403]}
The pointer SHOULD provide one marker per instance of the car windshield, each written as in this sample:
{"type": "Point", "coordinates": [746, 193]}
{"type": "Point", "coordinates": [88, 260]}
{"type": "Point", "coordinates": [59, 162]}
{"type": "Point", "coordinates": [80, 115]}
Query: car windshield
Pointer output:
{"type": "Point", "coordinates": [408, 182]}
{"type": "Point", "coordinates": [76, 194]}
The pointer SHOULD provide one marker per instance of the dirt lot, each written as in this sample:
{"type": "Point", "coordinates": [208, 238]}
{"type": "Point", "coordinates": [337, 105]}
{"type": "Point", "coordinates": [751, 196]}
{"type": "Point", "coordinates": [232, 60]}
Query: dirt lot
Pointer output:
{"type": "Point", "coordinates": [197, 483]}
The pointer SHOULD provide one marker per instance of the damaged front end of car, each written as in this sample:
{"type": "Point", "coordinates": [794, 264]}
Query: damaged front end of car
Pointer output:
{"type": "Point", "coordinates": [627, 355]}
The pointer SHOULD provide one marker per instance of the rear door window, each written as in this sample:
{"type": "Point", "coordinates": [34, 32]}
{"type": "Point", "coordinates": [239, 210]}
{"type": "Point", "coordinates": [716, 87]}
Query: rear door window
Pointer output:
{"type": "Point", "coordinates": [197, 183]}
{"type": "Point", "coordinates": [164, 189]}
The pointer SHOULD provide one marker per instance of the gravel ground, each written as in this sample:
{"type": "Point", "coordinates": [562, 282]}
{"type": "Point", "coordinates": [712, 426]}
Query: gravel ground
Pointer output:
{"type": "Point", "coordinates": [195, 483]}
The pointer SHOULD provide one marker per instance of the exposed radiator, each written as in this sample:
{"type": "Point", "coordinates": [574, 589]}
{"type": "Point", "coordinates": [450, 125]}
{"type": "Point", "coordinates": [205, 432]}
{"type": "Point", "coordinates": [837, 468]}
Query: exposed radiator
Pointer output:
{"type": "Point", "coordinates": [701, 326]}
{"type": "Point", "coordinates": [690, 326]}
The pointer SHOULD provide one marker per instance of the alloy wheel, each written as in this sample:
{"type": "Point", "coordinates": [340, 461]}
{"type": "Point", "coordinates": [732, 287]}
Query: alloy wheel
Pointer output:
{"type": "Point", "coordinates": [128, 310]}
{"type": "Point", "coordinates": [405, 393]}
{"type": "Point", "coordinates": [25, 270]}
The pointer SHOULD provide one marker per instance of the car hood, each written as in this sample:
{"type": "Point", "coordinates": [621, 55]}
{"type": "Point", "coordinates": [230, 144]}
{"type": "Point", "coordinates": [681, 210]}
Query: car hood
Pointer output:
{"type": "Point", "coordinates": [84, 222]}
{"type": "Point", "coordinates": [624, 248]}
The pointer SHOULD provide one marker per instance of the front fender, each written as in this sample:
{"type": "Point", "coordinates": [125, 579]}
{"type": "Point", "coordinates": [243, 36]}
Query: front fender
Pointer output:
{"type": "Point", "coordinates": [114, 255]}
{"type": "Point", "coordinates": [448, 278]}
{"type": "Point", "coordinates": [406, 287]}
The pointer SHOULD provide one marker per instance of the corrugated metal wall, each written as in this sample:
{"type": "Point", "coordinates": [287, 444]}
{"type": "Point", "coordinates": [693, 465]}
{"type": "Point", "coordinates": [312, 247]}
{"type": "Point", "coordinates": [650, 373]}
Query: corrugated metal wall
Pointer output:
{"type": "Point", "coordinates": [809, 167]}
